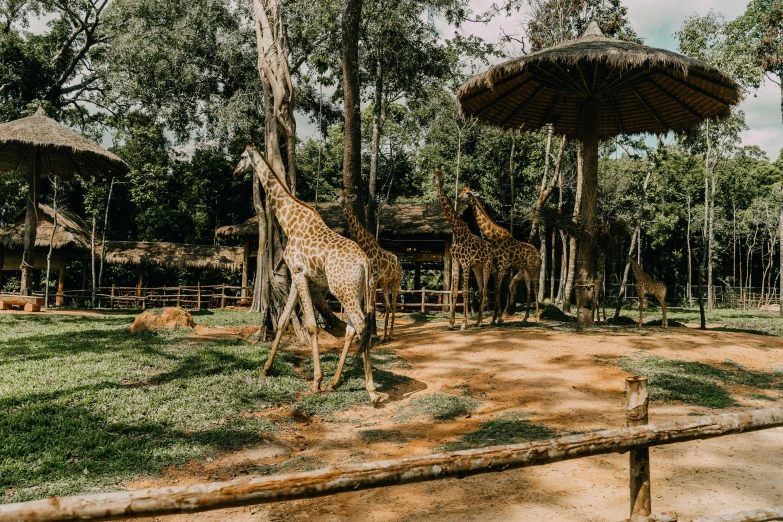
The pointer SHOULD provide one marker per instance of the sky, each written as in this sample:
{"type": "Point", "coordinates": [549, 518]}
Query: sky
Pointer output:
{"type": "Point", "coordinates": [656, 21]}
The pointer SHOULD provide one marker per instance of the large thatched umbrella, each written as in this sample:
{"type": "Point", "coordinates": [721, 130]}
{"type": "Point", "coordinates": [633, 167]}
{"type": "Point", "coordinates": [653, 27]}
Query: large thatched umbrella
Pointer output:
{"type": "Point", "coordinates": [38, 145]}
{"type": "Point", "coordinates": [593, 88]}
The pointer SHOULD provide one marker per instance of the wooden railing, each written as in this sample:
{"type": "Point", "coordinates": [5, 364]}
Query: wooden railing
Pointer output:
{"type": "Point", "coordinates": [193, 297]}
{"type": "Point", "coordinates": [634, 439]}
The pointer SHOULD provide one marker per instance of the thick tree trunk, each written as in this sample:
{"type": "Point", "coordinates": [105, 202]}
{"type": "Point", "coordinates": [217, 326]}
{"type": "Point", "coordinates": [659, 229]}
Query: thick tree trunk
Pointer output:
{"type": "Point", "coordinates": [704, 230]}
{"type": "Point", "coordinates": [780, 234]}
{"type": "Point", "coordinates": [352, 151]}
{"type": "Point", "coordinates": [92, 262]}
{"type": "Point", "coordinates": [552, 273]}
{"type": "Point", "coordinates": [30, 225]}
{"type": "Point", "coordinates": [711, 245]}
{"type": "Point", "coordinates": [588, 164]}
{"type": "Point", "coordinates": [689, 291]}
{"type": "Point", "coordinates": [542, 271]}
{"type": "Point", "coordinates": [511, 178]}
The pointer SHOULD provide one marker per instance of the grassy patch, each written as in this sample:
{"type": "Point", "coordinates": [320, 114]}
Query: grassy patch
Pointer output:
{"type": "Point", "coordinates": [510, 428]}
{"type": "Point", "coordinates": [80, 392]}
{"type": "Point", "coordinates": [695, 382]}
{"type": "Point", "coordinates": [761, 397]}
{"type": "Point", "coordinates": [439, 407]}
{"type": "Point", "coordinates": [225, 317]}
{"type": "Point", "coordinates": [301, 463]}
{"type": "Point", "coordinates": [371, 436]}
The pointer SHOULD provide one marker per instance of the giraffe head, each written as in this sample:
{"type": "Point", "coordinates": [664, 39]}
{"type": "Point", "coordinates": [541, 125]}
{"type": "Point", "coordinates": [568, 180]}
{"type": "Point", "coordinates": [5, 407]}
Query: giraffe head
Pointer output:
{"type": "Point", "coordinates": [345, 199]}
{"type": "Point", "coordinates": [437, 178]}
{"type": "Point", "coordinates": [630, 259]}
{"type": "Point", "coordinates": [246, 160]}
{"type": "Point", "coordinates": [467, 195]}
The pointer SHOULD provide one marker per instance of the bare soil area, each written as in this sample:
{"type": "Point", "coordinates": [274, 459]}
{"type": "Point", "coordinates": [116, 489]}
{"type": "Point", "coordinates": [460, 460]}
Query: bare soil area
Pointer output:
{"type": "Point", "coordinates": [559, 377]}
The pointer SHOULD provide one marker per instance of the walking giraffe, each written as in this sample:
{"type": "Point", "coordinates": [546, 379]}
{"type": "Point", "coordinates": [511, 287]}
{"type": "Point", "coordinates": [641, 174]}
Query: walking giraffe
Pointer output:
{"type": "Point", "coordinates": [508, 252]}
{"type": "Point", "coordinates": [646, 285]}
{"type": "Point", "coordinates": [468, 252]}
{"type": "Point", "coordinates": [318, 256]}
{"type": "Point", "coordinates": [386, 268]}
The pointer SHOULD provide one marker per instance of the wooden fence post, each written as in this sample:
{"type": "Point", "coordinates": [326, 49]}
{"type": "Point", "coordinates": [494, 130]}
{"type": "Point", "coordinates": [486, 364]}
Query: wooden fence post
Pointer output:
{"type": "Point", "coordinates": [636, 415]}
{"type": "Point", "coordinates": [198, 292]}
{"type": "Point", "coordinates": [223, 296]}
{"type": "Point", "coordinates": [423, 292]}
{"type": "Point", "coordinates": [179, 295]}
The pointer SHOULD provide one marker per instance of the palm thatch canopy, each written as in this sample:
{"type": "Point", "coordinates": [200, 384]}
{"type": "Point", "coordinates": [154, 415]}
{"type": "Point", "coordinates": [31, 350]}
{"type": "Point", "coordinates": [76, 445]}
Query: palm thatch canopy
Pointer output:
{"type": "Point", "coordinates": [71, 231]}
{"type": "Point", "coordinates": [172, 255]}
{"type": "Point", "coordinates": [641, 89]}
{"type": "Point", "coordinates": [398, 219]}
{"type": "Point", "coordinates": [64, 153]}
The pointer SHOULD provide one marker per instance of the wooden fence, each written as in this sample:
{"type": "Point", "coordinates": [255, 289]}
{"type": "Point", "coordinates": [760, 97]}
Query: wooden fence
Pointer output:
{"type": "Point", "coordinates": [635, 439]}
{"type": "Point", "coordinates": [193, 297]}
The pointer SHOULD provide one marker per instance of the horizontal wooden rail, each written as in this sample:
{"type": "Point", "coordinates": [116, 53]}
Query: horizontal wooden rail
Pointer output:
{"type": "Point", "coordinates": [337, 479]}
{"type": "Point", "coordinates": [757, 515]}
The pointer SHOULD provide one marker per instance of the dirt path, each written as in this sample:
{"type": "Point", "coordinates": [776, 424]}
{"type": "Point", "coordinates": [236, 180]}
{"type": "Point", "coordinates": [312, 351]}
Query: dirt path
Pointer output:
{"type": "Point", "coordinates": [562, 379]}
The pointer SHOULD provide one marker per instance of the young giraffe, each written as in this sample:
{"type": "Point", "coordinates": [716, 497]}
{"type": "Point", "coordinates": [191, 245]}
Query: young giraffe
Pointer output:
{"type": "Point", "coordinates": [469, 252]}
{"type": "Point", "coordinates": [508, 252]}
{"type": "Point", "coordinates": [386, 269]}
{"type": "Point", "coordinates": [316, 255]}
{"type": "Point", "coordinates": [646, 285]}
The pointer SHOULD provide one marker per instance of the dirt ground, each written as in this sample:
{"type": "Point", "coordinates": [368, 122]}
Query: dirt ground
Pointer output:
{"type": "Point", "coordinates": [562, 378]}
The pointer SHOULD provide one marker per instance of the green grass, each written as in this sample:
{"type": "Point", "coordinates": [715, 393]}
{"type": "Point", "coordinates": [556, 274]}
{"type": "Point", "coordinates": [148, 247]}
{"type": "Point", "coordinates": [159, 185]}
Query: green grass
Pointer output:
{"type": "Point", "coordinates": [694, 382]}
{"type": "Point", "coordinates": [510, 428]}
{"type": "Point", "coordinates": [81, 393]}
{"type": "Point", "coordinates": [438, 406]}
{"type": "Point", "coordinates": [225, 317]}
{"type": "Point", "coordinates": [750, 321]}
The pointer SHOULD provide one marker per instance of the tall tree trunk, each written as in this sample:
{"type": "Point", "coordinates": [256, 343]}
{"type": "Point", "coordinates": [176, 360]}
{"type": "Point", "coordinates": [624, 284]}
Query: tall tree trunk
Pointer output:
{"type": "Point", "coordinates": [552, 273]}
{"type": "Point", "coordinates": [689, 291]}
{"type": "Point", "coordinates": [588, 244]}
{"type": "Point", "coordinates": [572, 246]}
{"type": "Point", "coordinates": [704, 230]}
{"type": "Point", "coordinates": [542, 271]}
{"type": "Point", "coordinates": [511, 178]}
{"type": "Point", "coordinates": [780, 234]}
{"type": "Point", "coordinates": [637, 231]}
{"type": "Point", "coordinates": [30, 225]}
{"type": "Point", "coordinates": [103, 235]}
{"type": "Point", "coordinates": [272, 279]}
{"type": "Point", "coordinates": [51, 244]}
{"type": "Point", "coordinates": [377, 124]}
{"type": "Point", "coordinates": [711, 247]}
{"type": "Point", "coordinates": [92, 260]}
{"type": "Point", "coordinates": [352, 152]}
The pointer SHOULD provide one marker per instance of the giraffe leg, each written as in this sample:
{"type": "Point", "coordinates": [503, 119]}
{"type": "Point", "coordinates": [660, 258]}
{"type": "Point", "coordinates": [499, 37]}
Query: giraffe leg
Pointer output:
{"type": "Point", "coordinates": [454, 292]}
{"type": "Point", "coordinates": [497, 314]}
{"type": "Point", "coordinates": [308, 318]}
{"type": "Point", "coordinates": [385, 290]}
{"type": "Point", "coordinates": [486, 272]}
{"type": "Point", "coordinates": [662, 300]}
{"type": "Point", "coordinates": [479, 273]}
{"type": "Point", "coordinates": [641, 306]}
{"type": "Point", "coordinates": [356, 317]}
{"type": "Point", "coordinates": [282, 323]}
{"type": "Point", "coordinates": [535, 297]}
{"type": "Point", "coordinates": [395, 289]}
{"type": "Point", "coordinates": [511, 307]}
{"type": "Point", "coordinates": [465, 296]}
{"type": "Point", "coordinates": [350, 333]}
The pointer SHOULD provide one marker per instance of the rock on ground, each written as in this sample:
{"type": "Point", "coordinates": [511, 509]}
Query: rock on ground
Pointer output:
{"type": "Point", "coordinates": [165, 319]}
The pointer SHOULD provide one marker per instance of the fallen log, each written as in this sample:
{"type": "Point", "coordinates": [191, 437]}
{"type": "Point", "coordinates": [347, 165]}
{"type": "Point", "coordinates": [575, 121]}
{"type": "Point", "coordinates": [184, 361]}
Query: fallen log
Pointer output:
{"type": "Point", "coordinates": [757, 515]}
{"type": "Point", "coordinates": [337, 479]}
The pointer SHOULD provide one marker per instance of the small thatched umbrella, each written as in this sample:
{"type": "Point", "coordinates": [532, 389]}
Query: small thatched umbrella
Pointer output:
{"type": "Point", "coordinates": [593, 88]}
{"type": "Point", "coordinates": [36, 145]}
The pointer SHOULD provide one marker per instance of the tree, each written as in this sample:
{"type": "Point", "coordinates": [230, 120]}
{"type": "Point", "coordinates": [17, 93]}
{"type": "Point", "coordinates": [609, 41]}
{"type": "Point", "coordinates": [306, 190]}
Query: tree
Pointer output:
{"type": "Point", "coordinates": [352, 152]}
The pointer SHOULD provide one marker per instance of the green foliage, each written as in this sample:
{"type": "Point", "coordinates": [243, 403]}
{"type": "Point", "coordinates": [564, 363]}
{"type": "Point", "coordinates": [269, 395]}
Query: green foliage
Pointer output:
{"type": "Point", "coordinates": [694, 382]}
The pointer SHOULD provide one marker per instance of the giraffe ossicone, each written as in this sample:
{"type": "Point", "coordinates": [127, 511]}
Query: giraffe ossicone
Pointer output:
{"type": "Point", "coordinates": [318, 256]}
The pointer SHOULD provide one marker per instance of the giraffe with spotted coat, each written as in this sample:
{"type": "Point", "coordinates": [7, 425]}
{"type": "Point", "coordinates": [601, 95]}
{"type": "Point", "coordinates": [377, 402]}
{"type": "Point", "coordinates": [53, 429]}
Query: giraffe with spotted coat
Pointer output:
{"type": "Point", "coordinates": [646, 285]}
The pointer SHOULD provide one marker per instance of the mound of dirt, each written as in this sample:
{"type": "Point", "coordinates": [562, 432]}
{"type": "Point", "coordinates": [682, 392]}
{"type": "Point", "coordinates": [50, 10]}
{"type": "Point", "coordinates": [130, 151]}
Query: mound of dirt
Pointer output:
{"type": "Point", "coordinates": [552, 313]}
{"type": "Point", "coordinates": [162, 319]}
{"type": "Point", "coordinates": [622, 321]}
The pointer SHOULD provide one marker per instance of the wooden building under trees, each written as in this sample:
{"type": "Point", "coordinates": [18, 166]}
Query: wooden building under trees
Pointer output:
{"type": "Point", "coordinates": [418, 233]}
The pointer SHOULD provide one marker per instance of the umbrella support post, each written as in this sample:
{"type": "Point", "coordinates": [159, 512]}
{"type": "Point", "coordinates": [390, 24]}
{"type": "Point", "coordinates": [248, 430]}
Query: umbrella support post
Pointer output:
{"type": "Point", "coordinates": [588, 172]}
{"type": "Point", "coordinates": [30, 225]}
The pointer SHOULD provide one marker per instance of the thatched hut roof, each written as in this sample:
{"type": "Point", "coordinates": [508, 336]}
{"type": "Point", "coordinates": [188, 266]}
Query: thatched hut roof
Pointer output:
{"type": "Point", "coordinates": [403, 219]}
{"type": "Point", "coordinates": [64, 153]}
{"type": "Point", "coordinates": [172, 255]}
{"type": "Point", "coordinates": [71, 231]}
{"type": "Point", "coordinates": [643, 89]}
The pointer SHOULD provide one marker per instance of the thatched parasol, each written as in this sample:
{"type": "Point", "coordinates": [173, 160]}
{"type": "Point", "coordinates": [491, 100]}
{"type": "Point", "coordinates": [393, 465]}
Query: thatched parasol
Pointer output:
{"type": "Point", "coordinates": [36, 145]}
{"type": "Point", "coordinates": [595, 87]}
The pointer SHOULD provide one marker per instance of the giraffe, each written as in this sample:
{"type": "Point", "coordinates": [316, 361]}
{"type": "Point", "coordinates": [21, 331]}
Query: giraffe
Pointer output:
{"type": "Point", "coordinates": [385, 267]}
{"type": "Point", "coordinates": [647, 285]}
{"type": "Point", "coordinates": [507, 252]}
{"type": "Point", "coordinates": [317, 256]}
{"type": "Point", "coordinates": [468, 252]}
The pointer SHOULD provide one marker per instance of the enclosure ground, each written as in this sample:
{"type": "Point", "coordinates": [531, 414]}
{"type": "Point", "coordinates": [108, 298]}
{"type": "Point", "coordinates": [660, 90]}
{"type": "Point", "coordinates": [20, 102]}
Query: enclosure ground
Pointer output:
{"type": "Point", "coordinates": [447, 389]}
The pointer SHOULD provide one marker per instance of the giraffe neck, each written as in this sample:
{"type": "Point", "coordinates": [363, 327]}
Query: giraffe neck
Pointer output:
{"type": "Point", "coordinates": [359, 234]}
{"type": "Point", "coordinates": [637, 272]}
{"type": "Point", "coordinates": [459, 227]}
{"type": "Point", "coordinates": [489, 228]}
{"type": "Point", "coordinates": [278, 194]}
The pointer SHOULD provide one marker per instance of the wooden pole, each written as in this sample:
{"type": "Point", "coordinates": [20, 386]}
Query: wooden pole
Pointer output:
{"type": "Point", "coordinates": [198, 290]}
{"type": "Point", "coordinates": [179, 295]}
{"type": "Point", "coordinates": [139, 281]}
{"type": "Point", "coordinates": [111, 297]}
{"type": "Point", "coordinates": [423, 299]}
{"type": "Point", "coordinates": [30, 224]}
{"type": "Point", "coordinates": [354, 477]}
{"type": "Point", "coordinates": [61, 283]}
{"type": "Point", "coordinates": [636, 414]}
{"type": "Point", "coordinates": [223, 296]}
{"type": "Point", "coordinates": [245, 265]}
